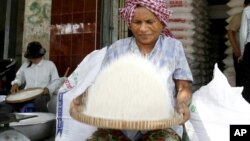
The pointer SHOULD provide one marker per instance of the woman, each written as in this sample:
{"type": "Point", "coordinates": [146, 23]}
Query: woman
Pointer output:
{"type": "Point", "coordinates": [148, 19]}
{"type": "Point", "coordinates": [37, 72]}
{"type": "Point", "coordinates": [244, 47]}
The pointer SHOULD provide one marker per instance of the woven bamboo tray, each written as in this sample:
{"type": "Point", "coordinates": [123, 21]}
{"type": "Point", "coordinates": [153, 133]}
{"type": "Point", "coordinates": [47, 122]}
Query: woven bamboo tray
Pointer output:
{"type": "Point", "coordinates": [77, 113]}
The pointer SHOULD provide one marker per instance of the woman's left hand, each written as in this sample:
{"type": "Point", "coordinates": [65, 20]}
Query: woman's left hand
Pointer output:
{"type": "Point", "coordinates": [184, 97]}
{"type": "Point", "coordinates": [183, 109]}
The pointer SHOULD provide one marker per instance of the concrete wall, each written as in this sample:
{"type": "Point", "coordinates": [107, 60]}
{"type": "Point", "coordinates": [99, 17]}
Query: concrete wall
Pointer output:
{"type": "Point", "coordinates": [37, 23]}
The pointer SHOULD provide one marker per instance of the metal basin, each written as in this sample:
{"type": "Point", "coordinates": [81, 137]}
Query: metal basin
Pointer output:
{"type": "Point", "coordinates": [36, 128]}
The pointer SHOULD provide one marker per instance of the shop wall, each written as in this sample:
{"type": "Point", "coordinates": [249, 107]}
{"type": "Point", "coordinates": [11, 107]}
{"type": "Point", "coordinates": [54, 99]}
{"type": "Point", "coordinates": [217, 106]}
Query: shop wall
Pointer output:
{"type": "Point", "coordinates": [37, 23]}
{"type": "Point", "coordinates": [75, 32]}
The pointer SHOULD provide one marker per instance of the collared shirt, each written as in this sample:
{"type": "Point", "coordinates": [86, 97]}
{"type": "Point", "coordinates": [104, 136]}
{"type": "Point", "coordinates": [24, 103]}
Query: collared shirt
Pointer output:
{"type": "Point", "coordinates": [234, 24]}
{"type": "Point", "coordinates": [245, 28]}
{"type": "Point", "coordinates": [37, 75]}
{"type": "Point", "coordinates": [167, 55]}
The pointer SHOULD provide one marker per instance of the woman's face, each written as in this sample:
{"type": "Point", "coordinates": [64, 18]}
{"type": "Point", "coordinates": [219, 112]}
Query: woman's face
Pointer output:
{"type": "Point", "coordinates": [145, 26]}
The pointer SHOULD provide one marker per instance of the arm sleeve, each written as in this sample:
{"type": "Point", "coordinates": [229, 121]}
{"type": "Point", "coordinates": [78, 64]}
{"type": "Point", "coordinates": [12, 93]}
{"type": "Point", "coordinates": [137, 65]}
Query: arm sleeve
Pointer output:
{"type": "Point", "coordinates": [243, 32]}
{"type": "Point", "coordinates": [54, 79]}
{"type": "Point", "coordinates": [20, 78]}
{"type": "Point", "coordinates": [183, 71]}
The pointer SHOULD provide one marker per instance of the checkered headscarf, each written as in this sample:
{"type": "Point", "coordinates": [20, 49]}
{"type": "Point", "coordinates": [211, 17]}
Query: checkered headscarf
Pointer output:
{"type": "Point", "coordinates": [158, 7]}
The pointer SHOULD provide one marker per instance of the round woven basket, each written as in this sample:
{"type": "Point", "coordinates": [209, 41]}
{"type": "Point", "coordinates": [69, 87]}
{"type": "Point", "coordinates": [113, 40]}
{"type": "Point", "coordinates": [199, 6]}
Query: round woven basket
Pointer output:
{"type": "Point", "coordinates": [77, 112]}
{"type": "Point", "coordinates": [24, 95]}
{"type": "Point", "coordinates": [131, 94]}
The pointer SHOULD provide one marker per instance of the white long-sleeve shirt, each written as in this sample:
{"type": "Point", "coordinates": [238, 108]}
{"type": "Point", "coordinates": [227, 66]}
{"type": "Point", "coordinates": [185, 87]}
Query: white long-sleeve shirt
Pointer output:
{"type": "Point", "coordinates": [43, 74]}
{"type": "Point", "coordinates": [245, 28]}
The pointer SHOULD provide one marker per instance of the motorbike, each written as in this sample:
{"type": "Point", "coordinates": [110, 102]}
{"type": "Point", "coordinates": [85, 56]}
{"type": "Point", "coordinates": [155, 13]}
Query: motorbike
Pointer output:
{"type": "Point", "coordinates": [7, 74]}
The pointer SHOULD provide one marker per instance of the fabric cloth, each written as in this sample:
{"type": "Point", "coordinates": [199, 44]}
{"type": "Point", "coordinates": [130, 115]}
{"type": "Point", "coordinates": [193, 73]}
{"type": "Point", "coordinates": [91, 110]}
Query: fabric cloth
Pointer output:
{"type": "Point", "coordinates": [168, 55]}
{"type": "Point", "coordinates": [68, 129]}
{"type": "Point", "coordinates": [117, 135]}
{"type": "Point", "coordinates": [43, 74]}
{"type": "Point", "coordinates": [244, 29]}
{"type": "Point", "coordinates": [158, 7]}
{"type": "Point", "coordinates": [40, 103]}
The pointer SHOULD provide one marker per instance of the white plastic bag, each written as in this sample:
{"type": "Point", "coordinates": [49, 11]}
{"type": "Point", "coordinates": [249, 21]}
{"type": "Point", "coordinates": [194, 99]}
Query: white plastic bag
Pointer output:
{"type": "Point", "coordinates": [68, 129]}
{"type": "Point", "coordinates": [214, 108]}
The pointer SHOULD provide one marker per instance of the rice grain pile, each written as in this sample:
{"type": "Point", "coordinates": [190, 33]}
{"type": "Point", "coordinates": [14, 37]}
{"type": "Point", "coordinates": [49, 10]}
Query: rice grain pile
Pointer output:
{"type": "Point", "coordinates": [130, 88]}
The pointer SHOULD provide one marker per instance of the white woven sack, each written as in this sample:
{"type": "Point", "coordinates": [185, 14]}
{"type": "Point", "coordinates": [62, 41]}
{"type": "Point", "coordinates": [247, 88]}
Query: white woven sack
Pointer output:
{"type": "Point", "coordinates": [188, 16]}
{"type": "Point", "coordinates": [230, 78]}
{"type": "Point", "coordinates": [207, 123]}
{"type": "Point", "coordinates": [179, 3]}
{"type": "Point", "coordinates": [229, 50]}
{"type": "Point", "coordinates": [235, 10]}
{"type": "Point", "coordinates": [189, 49]}
{"type": "Point", "coordinates": [228, 43]}
{"type": "Point", "coordinates": [187, 33]}
{"type": "Point", "coordinates": [229, 69]}
{"type": "Point", "coordinates": [229, 19]}
{"type": "Point", "coordinates": [182, 9]}
{"type": "Point", "coordinates": [179, 25]}
{"type": "Point", "coordinates": [187, 41]}
{"type": "Point", "coordinates": [235, 3]}
{"type": "Point", "coordinates": [83, 76]}
{"type": "Point", "coordinates": [228, 61]}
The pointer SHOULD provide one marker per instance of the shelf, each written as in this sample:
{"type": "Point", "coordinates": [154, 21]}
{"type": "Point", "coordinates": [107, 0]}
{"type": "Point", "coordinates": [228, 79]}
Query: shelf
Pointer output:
{"type": "Point", "coordinates": [57, 34]}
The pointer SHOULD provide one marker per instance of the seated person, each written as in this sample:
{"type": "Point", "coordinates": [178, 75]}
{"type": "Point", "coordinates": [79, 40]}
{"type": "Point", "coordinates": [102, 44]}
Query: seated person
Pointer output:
{"type": "Point", "coordinates": [36, 72]}
{"type": "Point", "coordinates": [148, 20]}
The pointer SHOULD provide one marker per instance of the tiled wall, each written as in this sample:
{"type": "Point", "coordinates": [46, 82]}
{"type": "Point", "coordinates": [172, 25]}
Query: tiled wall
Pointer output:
{"type": "Point", "coordinates": [75, 30]}
{"type": "Point", "coordinates": [36, 23]}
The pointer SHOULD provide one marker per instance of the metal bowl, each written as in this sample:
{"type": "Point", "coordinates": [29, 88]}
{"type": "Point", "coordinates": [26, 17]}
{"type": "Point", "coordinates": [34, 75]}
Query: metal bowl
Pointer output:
{"type": "Point", "coordinates": [36, 128]}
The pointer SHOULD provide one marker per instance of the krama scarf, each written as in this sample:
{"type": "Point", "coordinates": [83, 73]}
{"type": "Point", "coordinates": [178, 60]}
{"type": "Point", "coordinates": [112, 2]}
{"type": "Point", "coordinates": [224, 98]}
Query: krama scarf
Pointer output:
{"type": "Point", "coordinates": [158, 7]}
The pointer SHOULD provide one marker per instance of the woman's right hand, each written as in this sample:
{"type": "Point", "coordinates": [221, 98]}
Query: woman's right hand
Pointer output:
{"type": "Point", "coordinates": [14, 88]}
{"type": "Point", "coordinates": [77, 101]}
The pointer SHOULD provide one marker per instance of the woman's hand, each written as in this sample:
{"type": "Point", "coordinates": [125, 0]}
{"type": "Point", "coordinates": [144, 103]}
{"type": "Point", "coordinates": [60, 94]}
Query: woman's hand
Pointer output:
{"type": "Point", "coordinates": [45, 91]}
{"type": "Point", "coordinates": [183, 109]}
{"type": "Point", "coordinates": [14, 88]}
{"type": "Point", "coordinates": [184, 97]}
{"type": "Point", "coordinates": [76, 102]}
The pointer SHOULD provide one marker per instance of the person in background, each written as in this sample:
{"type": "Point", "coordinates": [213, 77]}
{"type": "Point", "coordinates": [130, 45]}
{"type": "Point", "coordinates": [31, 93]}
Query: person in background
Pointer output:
{"type": "Point", "coordinates": [148, 20]}
{"type": "Point", "coordinates": [245, 49]}
{"type": "Point", "coordinates": [36, 72]}
{"type": "Point", "coordinates": [233, 37]}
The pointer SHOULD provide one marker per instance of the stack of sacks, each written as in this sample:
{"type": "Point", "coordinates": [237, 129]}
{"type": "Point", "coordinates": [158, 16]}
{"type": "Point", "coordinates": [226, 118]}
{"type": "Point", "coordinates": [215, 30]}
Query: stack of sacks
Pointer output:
{"type": "Point", "coordinates": [189, 24]}
{"type": "Point", "coordinates": [181, 22]}
{"type": "Point", "coordinates": [236, 6]}
{"type": "Point", "coordinates": [214, 108]}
